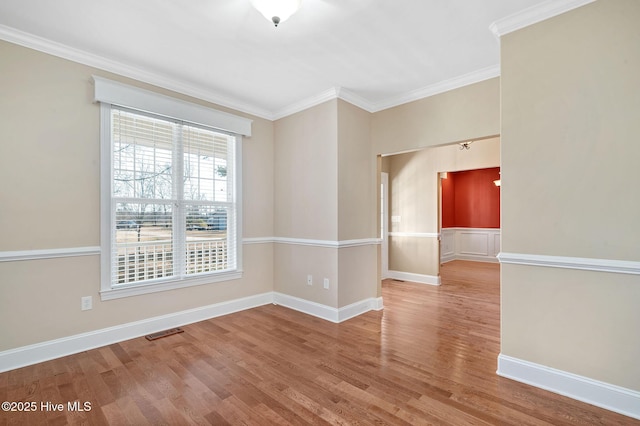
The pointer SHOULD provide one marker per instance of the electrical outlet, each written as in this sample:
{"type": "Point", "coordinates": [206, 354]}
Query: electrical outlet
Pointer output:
{"type": "Point", "coordinates": [309, 280]}
{"type": "Point", "coordinates": [86, 303]}
{"type": "Point", "coordinates": [326, 283]}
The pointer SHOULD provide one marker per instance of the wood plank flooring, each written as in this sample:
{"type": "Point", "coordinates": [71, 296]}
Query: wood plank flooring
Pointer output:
{"type": "Point", "coordinates": [428, 358]}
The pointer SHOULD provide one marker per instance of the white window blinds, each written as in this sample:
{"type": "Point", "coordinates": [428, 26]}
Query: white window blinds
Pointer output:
{"type": "Point", "coordinates": [173, 199]}
{"type": "Point", "coordinates": [171, 204]}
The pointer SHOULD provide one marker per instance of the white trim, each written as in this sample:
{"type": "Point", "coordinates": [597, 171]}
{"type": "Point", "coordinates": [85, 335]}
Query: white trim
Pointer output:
{"type": "Point", "coordinates": [415, 234]}
{"type": "Point", "coordinates": [200, 92]}
{"type": "Point", "coordinates": [108, 93]}
{"type": "Point", "coordinates": [355, 99]}
{"type": "Point", "coordinates": [443, 86]}
{"type": "Point", "coordinates": [359, 308]}
{"type": "Point", "coordinates": [581, 263]}
{"type": "Point", "coordinates": [327, 243]}
{"type": "Point", "coordinates": [534, 14]}
{"type": "Point", "coordinates": [238, 203]}
{"type": "Point", "coordinates": [52, 349]}
{"type": "Point", "coordinates": [448, 257]}
{"type": "Point", "coordinates": [106, 179]}
{"type": "Point", "coordinates": [116, 93]}
{"type": "Point", "coordinates": [82, 57]}
{"type": "Point", "coordinates": [457, 241]}
{"type": "Point", "coordinates": [320, 98]}
{"type": "Point", "coordinates": [258, 240]}
{"type": "Point", "coordinates": [601, 394]}
{"type": "Point", "coordinates": [170, 284]}
{"type": "Point", "coordinates": [15, 256]}
{"type": "Point", "coordinates": [325, 312]}
{"type": "Point", "coordinates": [384, 248]}
{"type": "Point", "coordinates": [415, 278]}
{"type": "Point", "coordinates": [360, 242]}
{"type": "Point", "coordinates": [413, 95]}
{"type": "Point", "coordinates": [474, 258]}
{"type": "Point", "coordinates": [32, 354]}
{"type": "Point", "coordinates": [313, 243]}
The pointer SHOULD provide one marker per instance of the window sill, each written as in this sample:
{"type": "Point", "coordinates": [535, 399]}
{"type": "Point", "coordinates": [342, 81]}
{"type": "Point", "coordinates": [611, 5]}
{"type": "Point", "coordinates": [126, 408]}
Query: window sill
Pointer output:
{"type": "Point", "coordinates": [136, 290]}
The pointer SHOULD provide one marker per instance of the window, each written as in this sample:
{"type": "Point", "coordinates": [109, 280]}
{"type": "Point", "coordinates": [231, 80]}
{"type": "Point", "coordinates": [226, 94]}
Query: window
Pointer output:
{"type": "Point", "coordinates": [170, 201]}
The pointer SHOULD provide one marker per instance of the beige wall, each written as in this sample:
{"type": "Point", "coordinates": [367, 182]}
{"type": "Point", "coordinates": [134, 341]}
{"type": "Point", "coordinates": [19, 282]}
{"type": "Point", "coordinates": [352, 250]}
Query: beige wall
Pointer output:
{"type": "Point", "coordinates": [306, 202]}
{"type": "Point", "coordinates": [413, 197]}
{"type": "Point", "coordinates": [324, 179]}
{"type": "Point", "coordinates": [470, 112]}
{"type": "Point", "coordinates": [306, 173]}
{"type": "Point", "coordinates": [356, 173]}
{"type": "Point", "coordinates": [570, 174]}
{"type": "Point", "coordinates": [357, 206]}
{"type": "Point", "coordinates": [357, 274]}
{"type": "Point", "coordinates": [49, 169]}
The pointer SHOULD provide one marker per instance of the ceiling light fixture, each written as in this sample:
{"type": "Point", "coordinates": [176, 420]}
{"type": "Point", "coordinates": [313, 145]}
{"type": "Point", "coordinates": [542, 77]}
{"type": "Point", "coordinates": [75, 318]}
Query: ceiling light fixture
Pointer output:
{"type": "Point", "coordinates": [466, 145]}
{"type": "Point", "coordinates": [277, 11]}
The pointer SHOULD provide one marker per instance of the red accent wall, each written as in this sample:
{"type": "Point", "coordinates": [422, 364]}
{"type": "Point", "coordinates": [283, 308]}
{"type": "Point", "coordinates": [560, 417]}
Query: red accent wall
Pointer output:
{"type": "Point", "coordinates": [470, 199]}
{"type": "Point", "coordinates": [448, 201]}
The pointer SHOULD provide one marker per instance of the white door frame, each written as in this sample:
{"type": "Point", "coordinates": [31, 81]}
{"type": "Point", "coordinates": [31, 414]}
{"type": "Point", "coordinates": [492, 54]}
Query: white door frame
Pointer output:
{"type": "Point", "coordinates": [384, 224]}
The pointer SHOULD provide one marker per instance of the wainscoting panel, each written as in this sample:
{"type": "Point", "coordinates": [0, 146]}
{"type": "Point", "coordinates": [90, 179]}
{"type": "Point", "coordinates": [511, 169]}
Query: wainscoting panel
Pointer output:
{"type": "Point", "coordinates": [479, 244]}
{"type": "Point", "coordinates": [448, 245]}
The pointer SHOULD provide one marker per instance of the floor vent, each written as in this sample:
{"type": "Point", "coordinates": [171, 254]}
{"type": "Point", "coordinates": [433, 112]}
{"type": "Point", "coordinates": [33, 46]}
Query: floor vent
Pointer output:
{"type": "Point", "coordinates": [164, 333]}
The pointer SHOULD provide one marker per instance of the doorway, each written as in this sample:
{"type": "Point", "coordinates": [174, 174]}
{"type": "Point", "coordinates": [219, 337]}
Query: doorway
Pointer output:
{"type": "Point", "coordinates": [414, 237]}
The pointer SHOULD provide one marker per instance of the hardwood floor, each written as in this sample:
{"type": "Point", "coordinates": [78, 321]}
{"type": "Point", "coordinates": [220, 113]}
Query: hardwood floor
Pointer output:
{"type": "Point", "coordinates": [428, 358]}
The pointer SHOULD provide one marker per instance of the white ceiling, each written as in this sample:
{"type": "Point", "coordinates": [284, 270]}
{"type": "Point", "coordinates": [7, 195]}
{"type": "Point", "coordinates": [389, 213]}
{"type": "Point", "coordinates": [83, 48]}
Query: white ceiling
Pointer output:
{"type": "Point", "coordinates": [375, 53]}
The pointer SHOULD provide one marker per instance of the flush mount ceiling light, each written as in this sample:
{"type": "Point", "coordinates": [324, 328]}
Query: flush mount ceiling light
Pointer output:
{"type": "Point", "coordinates": [277, 11]}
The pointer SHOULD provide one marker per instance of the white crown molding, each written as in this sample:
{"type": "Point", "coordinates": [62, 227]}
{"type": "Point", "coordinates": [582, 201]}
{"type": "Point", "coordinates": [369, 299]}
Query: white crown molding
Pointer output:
{"type": "Point", "coordinates": [414, 278]}
{"type": "Point", "coordinates": [534, 14]}
{"type": "Point", "coordinates": [511, 23]}
{"type": "Point", "coordinates": [14, 256]}
{"type": "Point", "coordinates": [355, 99]}
{"type": "Point", "coordinates": [307, 103]}
{"type": "Point", "coordinates": [86, 58]}
{"type": "Point", "coordinates": [581, 263]}
{"type": "Point", "coordinates": [414, 95]}
{"type": "Point", "coordinates": [80, 56]}
{"type": "Point", "coordinates": [440, 87]}
{"type": "Point", "coordinates": [601, 394]}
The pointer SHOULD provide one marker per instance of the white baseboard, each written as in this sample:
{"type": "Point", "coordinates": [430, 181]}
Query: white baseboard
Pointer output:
{"type": "Point", "coordinates": [45, 351]}
{"type": "Point", "coordinates": [325, 312]}
{"type": "Point", "coordinates": [33, 354]}
{"type": "Point", "coordinates": [358, 308]}
{"type": "Point", "coordinates": [416, 278]}
{"type": "Point", "coordinates": [477, 258]}
{"type": "Point", "coordinates": [447, 257]}
{"type": "Point", "coordinates": [604, 395]}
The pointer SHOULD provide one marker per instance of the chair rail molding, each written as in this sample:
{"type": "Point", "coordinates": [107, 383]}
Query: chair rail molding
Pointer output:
{"type": "Point", "coordinates": [20, 255]}
{"type": "Point", "coordinates": [581, 263]}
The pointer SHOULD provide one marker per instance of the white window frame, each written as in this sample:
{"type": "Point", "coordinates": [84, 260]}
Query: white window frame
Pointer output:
{"type": "Point", "coordinates": [110, 93]}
